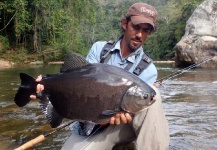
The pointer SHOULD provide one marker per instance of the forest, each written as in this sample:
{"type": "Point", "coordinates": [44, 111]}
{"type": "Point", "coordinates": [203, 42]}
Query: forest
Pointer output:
{"type": "Point", "coordinates": [32, 30]}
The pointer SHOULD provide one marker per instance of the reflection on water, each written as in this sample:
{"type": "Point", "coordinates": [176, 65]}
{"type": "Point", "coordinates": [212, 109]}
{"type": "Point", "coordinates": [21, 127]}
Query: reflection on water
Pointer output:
{"type": "Point", "coordinates": [189, 101]}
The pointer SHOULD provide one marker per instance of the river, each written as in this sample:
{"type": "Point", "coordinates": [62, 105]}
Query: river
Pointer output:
{"type": "Point", "coordinates": [189, 101]}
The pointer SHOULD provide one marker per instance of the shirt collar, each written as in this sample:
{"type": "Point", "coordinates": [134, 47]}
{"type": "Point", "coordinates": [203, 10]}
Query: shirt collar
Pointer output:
{"type": "Point", "coordinates": [132, 57]}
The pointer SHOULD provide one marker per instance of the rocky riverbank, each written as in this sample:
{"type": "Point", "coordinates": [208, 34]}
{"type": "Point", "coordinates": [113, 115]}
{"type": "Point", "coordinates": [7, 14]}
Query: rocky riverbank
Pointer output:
{"type": "Point", "coordinates": [5, 64]}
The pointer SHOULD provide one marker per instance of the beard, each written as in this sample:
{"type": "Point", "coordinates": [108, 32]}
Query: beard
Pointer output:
{"type": "Point", "coordinates": [134, 44]}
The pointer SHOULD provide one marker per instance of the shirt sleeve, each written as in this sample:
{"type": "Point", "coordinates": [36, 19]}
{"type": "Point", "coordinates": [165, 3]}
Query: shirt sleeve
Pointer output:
{"type": "Point", "coordinates": [94, 54]}
{"type": "Point", "coordinates": [149, 75]}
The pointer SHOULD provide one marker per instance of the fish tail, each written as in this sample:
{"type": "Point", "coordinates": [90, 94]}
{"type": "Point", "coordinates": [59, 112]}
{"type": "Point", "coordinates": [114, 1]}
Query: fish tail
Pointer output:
{"type": "Point", "coordinates": [27, 88]}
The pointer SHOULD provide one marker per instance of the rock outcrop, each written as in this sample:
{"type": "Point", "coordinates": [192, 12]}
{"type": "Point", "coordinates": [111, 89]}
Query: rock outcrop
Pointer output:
{"type": "Point", "coordinates": [200, 39]}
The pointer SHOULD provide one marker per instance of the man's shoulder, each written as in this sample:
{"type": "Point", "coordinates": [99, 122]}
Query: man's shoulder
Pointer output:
{"type": "Point", "coordinates": [100, 43]}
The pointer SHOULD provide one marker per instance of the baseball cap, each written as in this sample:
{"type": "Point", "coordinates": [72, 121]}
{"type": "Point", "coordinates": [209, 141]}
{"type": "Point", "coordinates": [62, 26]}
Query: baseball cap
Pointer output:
{"type": "Point", "coordinates": [142, 13]}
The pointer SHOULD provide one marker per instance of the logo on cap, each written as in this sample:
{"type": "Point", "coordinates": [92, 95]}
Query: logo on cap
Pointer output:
{"type": "Point", "coordinates": [144, 9]}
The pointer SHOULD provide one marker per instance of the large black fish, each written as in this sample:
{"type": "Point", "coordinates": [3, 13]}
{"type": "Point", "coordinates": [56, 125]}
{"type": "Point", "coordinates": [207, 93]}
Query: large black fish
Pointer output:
{"type": "Point", "coordinates": [87, 92]}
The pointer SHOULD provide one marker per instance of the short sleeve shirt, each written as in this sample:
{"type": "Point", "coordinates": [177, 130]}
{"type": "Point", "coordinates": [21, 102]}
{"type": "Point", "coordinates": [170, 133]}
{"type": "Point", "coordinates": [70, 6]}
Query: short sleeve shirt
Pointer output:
{"type": "Point", "coordinates": [149, 75]}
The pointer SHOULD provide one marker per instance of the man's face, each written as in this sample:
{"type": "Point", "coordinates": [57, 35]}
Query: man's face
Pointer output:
{"type": "Point", "coordinates": [135, 35]}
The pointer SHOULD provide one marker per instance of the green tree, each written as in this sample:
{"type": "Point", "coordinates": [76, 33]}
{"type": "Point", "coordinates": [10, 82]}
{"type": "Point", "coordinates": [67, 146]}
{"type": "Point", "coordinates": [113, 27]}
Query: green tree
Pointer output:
{"type": "Point", "coordinates": [51, 26]}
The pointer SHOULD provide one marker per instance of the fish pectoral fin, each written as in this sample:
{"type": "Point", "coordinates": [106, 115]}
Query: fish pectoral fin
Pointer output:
{"type": "Point", "coordinates": [56, 118]}
{"type": "Point", "coordinates": [87, 127]}
{"type": "Point", "coordinates": [110, 112]}
{"type": "Point", "coordinates": [73, 60]}
{"type": "Point", "coordinates": [51, 114]}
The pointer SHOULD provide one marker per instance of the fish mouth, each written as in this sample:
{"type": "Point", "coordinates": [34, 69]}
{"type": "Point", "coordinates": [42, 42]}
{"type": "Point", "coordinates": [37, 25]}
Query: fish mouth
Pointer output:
{"type": "Point", "coordinates": [153, 99]}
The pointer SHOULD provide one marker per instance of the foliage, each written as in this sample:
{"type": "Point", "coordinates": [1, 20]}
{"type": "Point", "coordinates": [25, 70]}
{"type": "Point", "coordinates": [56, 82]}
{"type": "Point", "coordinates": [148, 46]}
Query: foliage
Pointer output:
{"type": "Point", "coordinates": [36, 24]}
{"type": "Point", "coordinates": [4, 44]}
{"type": "Point", "coordinates": [18, 55]}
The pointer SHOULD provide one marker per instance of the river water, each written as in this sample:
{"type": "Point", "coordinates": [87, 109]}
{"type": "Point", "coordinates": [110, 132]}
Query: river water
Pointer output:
{"type": "Point", "coordinates": [189, 100]}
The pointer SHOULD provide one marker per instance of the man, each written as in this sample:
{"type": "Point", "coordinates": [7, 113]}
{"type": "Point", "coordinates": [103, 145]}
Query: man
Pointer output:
{"type": "Point", "coordinates": [148, 130]}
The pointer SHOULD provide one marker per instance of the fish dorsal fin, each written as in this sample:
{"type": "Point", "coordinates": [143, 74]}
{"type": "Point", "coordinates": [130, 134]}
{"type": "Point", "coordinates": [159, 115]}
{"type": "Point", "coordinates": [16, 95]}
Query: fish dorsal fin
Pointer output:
{"type": "Point", "coordinates": [73, 60]}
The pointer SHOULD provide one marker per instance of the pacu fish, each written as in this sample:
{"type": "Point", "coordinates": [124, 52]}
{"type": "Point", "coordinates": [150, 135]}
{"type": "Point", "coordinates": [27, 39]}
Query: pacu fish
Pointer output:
{"type": "Point", "coordinates": [86, 92]}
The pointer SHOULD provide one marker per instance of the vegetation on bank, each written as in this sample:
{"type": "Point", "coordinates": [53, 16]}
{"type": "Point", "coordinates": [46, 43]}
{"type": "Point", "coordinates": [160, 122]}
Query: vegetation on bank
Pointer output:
{"type": "Point", "coordinates": [33, 30]}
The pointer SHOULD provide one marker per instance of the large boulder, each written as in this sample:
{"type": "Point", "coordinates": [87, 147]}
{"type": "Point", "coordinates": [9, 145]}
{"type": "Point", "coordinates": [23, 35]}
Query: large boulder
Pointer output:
{"type": "Point", "coordinates": [200, 39]}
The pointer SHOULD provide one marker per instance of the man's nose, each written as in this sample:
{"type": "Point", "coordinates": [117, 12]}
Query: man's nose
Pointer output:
{"type": "Point", "coordinates": [139, 34]}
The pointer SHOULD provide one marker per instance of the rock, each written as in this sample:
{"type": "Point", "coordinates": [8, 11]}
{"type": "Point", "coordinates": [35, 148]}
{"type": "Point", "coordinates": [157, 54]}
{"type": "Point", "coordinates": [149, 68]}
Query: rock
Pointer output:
{"type": "Point", "coordinates": [200, 39]}
{"type": "Point", "coordinates": [36, 63]}
{"type": "Point", "coordinates": [5, 64]}
{"type": "Point", "coordinates": [56, 63]}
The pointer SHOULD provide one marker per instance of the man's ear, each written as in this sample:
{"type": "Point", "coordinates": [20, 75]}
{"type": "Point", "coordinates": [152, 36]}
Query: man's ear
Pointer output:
{"type": "Point", "coordinates": [124, 23]}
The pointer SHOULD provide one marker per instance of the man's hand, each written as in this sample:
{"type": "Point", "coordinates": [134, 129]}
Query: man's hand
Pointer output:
{"type": "Point", "coordinates": [39, 87]}
{"type": "Point", "coordinates": [120, 117]}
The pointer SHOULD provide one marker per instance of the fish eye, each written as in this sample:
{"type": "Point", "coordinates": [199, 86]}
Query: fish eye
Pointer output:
{"type": "Point", "coordinates": [145, 96]}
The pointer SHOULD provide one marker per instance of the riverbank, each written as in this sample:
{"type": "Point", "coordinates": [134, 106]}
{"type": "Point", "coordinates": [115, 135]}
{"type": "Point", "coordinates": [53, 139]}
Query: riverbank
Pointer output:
{"type": "Point", "coordinates": [165, 62]}
{"type": "Point", "coordinates": [5, 64]}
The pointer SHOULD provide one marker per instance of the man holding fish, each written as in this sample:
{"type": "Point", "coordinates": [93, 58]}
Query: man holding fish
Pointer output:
{"type": "Point", "coordinates": [148, 129]}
